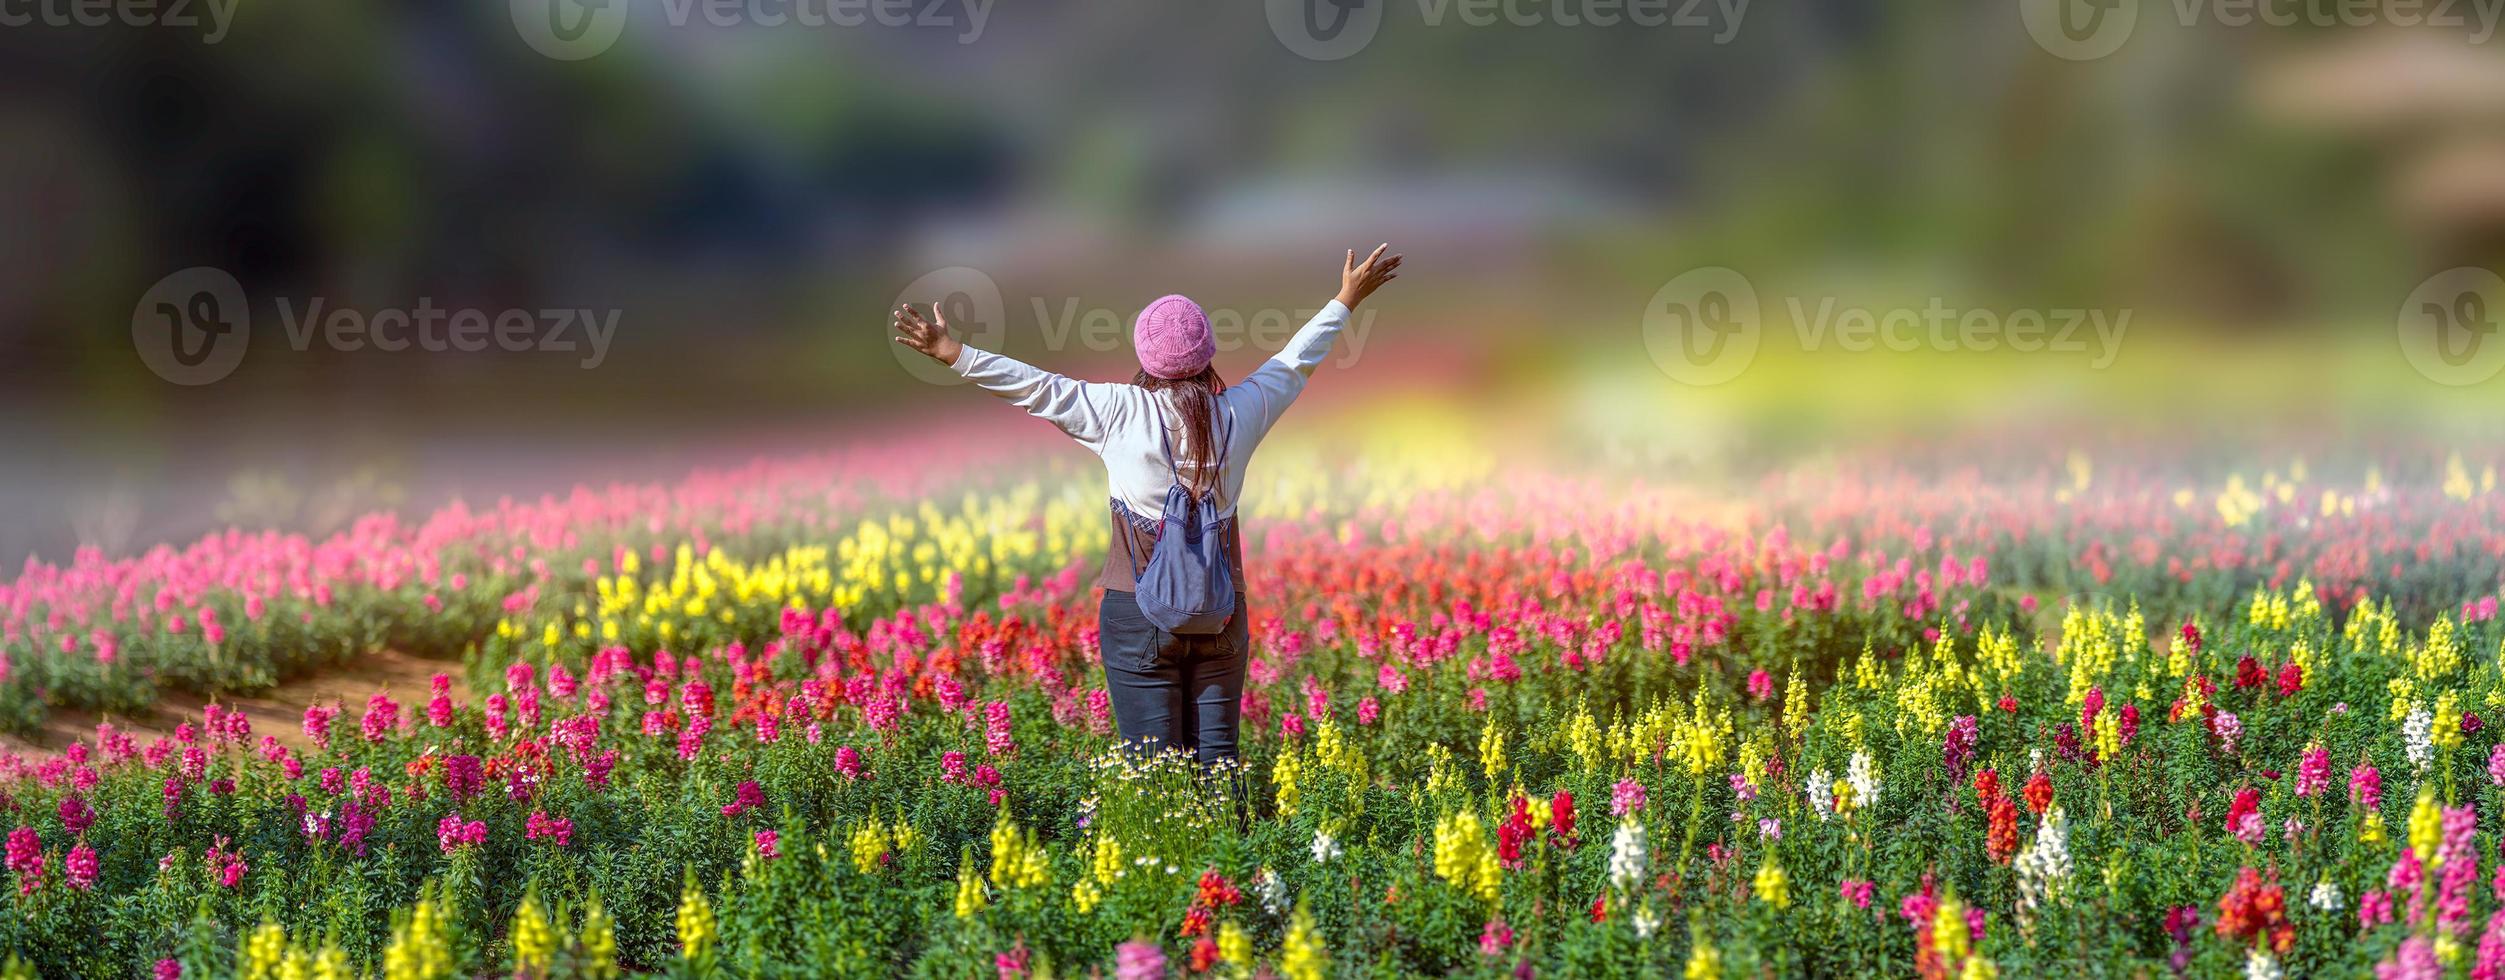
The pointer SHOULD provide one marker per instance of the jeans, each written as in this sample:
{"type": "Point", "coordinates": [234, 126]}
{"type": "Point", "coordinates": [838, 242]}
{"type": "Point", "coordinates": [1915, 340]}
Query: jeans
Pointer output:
{"type": "Point", "coordinates": [1169, 691]}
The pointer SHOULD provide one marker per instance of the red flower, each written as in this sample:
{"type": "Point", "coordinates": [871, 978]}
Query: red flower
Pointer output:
{"type": "Point", "coordinates": [2000, 838]}
{"type": "Point", "coordinates": [2039, 792]}
{"type": "Point", "coordinates": [2254, 910]}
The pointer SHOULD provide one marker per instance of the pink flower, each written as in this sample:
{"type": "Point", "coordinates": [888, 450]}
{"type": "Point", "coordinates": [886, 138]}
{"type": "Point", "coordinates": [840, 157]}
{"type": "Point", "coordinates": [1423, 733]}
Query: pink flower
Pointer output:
{"type": "Point", "coordinates": [748, 796]}
{"type": "Point", "coordinates": [555, 830]}
{"type": "Point", "coordinates": [81, 866]}
{"type": "Point", "coordinates": [996, 739]}
{"type": "Point", "coordinates": [1760, 684]}
{"type": "Point", "coordinates": [25, 856]}
{"type": "Point", "coordinates": [848, 762]}
{"type": "Point", "coordinates": [2365, 786]}
{"type": "Point", "coordinates": [1139, 960]}
{"type": "Point", "coordinates": [169, 969]}
{"type": "Point", "coordinates": [1857, 891]}
{"type": "Point", "coordinates": [768, 844]}
{"type": "Point", "coordinates": [382, 716]}
{"type": "Point", "coordinates": [1495, 937]}
{"type": "Point", "coordinates": [1626, 797]}
{"type": "Point", "coordinates": [452, 834]}
{"type": "Point", "coordinates": [2313, 772]}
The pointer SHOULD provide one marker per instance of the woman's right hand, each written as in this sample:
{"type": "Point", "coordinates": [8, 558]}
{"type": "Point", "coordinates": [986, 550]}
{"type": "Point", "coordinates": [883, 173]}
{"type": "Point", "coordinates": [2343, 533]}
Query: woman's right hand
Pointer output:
{"type": "Point", "coordinates": [930, 336]}
{"type": "Point", "coordinates": [1358, 280]}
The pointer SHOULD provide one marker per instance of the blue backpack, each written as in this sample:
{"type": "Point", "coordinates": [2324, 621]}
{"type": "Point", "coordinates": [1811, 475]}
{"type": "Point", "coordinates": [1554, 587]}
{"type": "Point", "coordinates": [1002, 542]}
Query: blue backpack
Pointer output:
{"type": "Point", "coordinates": [1188, 586]}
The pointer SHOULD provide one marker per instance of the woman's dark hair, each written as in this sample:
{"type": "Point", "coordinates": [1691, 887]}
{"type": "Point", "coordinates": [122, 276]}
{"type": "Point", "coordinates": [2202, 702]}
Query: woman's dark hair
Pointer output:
{"type": "Point", "coordinates": [1198, 405]}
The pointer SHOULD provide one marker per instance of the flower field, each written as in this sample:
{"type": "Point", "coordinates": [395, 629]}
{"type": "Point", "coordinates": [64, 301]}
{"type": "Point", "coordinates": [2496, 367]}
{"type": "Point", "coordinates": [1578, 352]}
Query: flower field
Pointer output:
{"type": "Point", "coordinates": [2098, 711]}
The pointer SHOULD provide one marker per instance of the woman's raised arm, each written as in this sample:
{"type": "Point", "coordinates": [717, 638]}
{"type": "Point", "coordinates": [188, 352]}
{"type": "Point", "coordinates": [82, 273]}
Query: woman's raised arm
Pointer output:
{"type": "Point", "coordinates": [1076, 407]}
{"type": "Point", "coordinates": [1281, 378]}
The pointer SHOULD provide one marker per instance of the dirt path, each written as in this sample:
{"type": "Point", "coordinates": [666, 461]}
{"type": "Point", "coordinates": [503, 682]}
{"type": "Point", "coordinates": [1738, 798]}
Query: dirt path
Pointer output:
{"type": "Point", "coordinates": [279, 711]}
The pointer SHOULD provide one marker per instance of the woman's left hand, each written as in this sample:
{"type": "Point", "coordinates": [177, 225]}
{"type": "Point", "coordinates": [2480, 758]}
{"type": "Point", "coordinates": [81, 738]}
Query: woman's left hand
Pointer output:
{"type": "Point", "coordinates": [930, 336]}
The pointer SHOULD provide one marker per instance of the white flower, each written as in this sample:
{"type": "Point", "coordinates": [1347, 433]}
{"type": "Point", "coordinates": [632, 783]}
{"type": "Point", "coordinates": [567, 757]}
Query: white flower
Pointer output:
{"type": "Point", "coordinates": [2325, 897]}
{"type": "Point", "coordinates": [1645, 921]}
{"type": "Point", "coordinates": [2045, 864]}
{"type": "Point", "coordinates": [1626, 853]}
{"type": "Point", "coordinates": [2418, 738]}
{"type": "Point", "coordinates": [1821, 791]}
{"type": "Point", "coordinates": [1271, 891]}
{"type": "Point", "coordinates": [1865, 779]}
{"type": "Point", "coordinates": [2260, 965]}
{"type": "Point", "coordinates": [1324, 848]}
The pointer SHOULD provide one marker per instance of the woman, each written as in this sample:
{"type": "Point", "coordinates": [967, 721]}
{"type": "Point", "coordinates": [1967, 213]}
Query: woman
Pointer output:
{"type": "Point", "coordinates": [1175, 424]}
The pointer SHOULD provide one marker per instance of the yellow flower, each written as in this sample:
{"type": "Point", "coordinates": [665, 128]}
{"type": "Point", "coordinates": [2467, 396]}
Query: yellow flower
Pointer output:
{"type": "Point", "coordinates": [599, 940]}
{"type": "Point", "coordinates": [2448, 721]}
{"type": "Point", "coordinates": [695, 921]}
{"type": "Point", "coordinates": [1492, 749]}
{"type": "Point", "coordinates": [331, 964]}
{"type": "Point", "coordinates": [1583, 737]}
{"type": "Point", "coordinates": [868, 844]}
{"type": "Point", "coordinates": [970, 897]}
{"type": "Point", "coordinates": [1463, 857]}
{"type": "Point", "coordinates": [2370, 830]}
{"type": "Point", "coordinates": [421, 946]}
{"type": "Point", "coordinates": [534, 941]}
{"type": "Point", "coordinates": [1772, 885]}
{"type": "Point", "coordinates": [1234, 947]}
{"type": "Point", "coordinates": [1303, 958]}
{"type": "Point", "coordinates": [1703, 961]}
{"type": "Point", "coordinates": [1284, 775]}
{"type": "Point", "coordinates": [2426, 828]}
{"type": "Point", "coordinates": [1108, 863]}
{"type": "Point", "coordinates": [1017, 860]}
{"type": "Point", "coordinates": [263, 948]}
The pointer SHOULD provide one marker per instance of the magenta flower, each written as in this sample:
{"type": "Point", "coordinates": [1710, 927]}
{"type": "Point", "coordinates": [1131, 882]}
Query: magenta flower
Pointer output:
{"type": "Point", "coordinates": [2313, 772]}
{"type": "Point", "coordinates": [748, 796]}
{"type": "Point", "coordinates": [1626, 797]}
{"type": "Point", "coordinates": [1139, 960]}
{"type": "Point", "coordinates": [2365, 786]}
{"type": "Point", "coordinates": [80, 867]}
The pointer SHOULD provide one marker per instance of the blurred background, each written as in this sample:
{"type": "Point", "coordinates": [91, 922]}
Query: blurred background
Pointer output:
{"type": "Point", "coordinates": [2244, 222]}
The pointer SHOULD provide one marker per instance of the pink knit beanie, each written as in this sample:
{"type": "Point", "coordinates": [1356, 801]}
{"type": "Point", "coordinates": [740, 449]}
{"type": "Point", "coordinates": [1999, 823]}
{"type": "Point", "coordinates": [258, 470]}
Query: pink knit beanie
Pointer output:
{"type": "Point", "coordinates": [1172, 337]}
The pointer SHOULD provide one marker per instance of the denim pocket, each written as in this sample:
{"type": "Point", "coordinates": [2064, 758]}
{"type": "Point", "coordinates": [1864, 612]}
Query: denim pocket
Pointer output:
{"type": "Point", "coordinates": [1124, 636]}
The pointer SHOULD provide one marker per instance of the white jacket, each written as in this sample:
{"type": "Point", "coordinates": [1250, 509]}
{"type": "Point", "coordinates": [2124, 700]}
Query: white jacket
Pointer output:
{"type": "Point", "coordinates": [1120, 422]}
